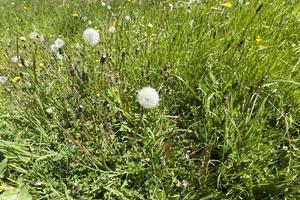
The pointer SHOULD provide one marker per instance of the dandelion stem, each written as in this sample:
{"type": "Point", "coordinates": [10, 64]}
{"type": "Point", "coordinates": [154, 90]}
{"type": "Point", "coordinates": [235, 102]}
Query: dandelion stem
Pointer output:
{"type": "Point", "coordinates": [141, 119]}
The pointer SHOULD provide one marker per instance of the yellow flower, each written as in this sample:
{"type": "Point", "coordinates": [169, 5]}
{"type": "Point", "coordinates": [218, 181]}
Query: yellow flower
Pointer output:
{"type": "Point", "coordinates": [227, 4]}
{"type": "Point", "coordinates": [41, 65]}
{"type": "Point", "coordinates": [114, 22]}
{"type": "Point", "coordinates": [75, 14]}
{"type": "Point", "coordinates": [258, 39]}
{"type": "Point", "coordinates": [213, 8]}
{"type": "Point", "coordinates": [16, 79]}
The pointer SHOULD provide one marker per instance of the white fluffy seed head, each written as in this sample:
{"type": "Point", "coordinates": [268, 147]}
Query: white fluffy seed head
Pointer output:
{"type": "Point", "coordinates": [148, 97]}
{"type": "Point", "coordinates": [59, 43]}
{"type": "Point", "coordinates": [91, 36]}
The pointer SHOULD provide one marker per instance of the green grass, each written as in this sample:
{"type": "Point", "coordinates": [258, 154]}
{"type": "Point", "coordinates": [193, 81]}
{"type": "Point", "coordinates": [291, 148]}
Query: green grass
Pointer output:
{"type": "Point", "coordinates": [227, 125]}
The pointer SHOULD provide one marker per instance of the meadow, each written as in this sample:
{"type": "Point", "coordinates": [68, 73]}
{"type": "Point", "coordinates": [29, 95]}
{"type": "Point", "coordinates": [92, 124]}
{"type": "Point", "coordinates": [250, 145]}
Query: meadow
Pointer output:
{"type": "Point", "coordinates": [149, 99]}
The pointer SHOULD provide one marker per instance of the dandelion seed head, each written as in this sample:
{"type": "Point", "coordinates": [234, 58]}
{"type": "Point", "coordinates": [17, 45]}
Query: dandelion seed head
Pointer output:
{"type": "Point", "coordinates": [148, 97]}
{"type": "Point", "coordinates": [59, 43]}
{"type": "Point", "coordinates": [91, 36]}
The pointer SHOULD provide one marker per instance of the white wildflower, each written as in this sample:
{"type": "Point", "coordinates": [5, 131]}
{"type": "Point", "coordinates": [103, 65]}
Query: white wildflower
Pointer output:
{"type": "Point", "coordinates": [108, 7]}
{"type": "Point", "coordinates": [150, 25]}
{"type": "Point", "coordinates": [103, 4]}
{"type": "Point", "coordinates": [191, 23]}
{"type": "Point", "coordinates": [33, 35]}
{"type": "Point", "coordinates": [127, 18]}
{"type": "Point", "coordinates": [23, 38]}
{"type": "Point", "coordinates": [91, 36]}
{"type": "Point", "coordinates": [3, 79]}
{"type": "Point", "coordinates": [49, 110]}
{"type": "Point", "coordinates": [59, 43]}
{"type": "Point", "coordinates": [15, 59]}
{"type": "Point", "coordinates": [84, 18]}
{"type": "Point", "coordinates": [112, 29]}
{"type": "Point", "coordinates": [77, 45]}
{"type": "Point", "coordinates": [26, 63]}
{"type": "Point", "coordinates": [148, 97]}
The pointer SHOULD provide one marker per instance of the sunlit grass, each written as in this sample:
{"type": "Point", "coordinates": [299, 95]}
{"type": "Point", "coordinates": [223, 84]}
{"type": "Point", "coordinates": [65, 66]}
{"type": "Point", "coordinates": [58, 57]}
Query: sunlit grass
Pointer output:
{"type": "Point", "coordinates": [226, 125]}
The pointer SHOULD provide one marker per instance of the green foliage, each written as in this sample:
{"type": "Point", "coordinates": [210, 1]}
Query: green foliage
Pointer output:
{"type": "Point", "coordinates": [227, 125]}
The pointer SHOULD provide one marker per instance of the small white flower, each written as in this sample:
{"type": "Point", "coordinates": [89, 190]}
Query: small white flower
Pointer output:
{"type": "Point", "coordinates": [49, 110]}
{"type": "Point", "coordinates": [59, 56]}
{"type": "Point", "coordinates": [59, 43]}
{"type": "Point", "coordinates": [108, 7]}
{"type": "Point", "coordinates": [184, 184]}
{"type": "Point", "coordinates": [15, 59]}
{"type": "Point", "coordinates": [150, 25]}
{"type": "Point", "coordinates": [23, 38]}
{"type": "Point", "coordinates": [77, 45]}
{"type": "Point", "coordinates": [103, 4]}
{"type": "Point", "coordinates": [84, 18]}
{"type": "Point", "coordinates": [33, 35]}
{"type": "Point", "coordinates": [3, 79]}
{"type": "Point", "coordinates": [41, 38]}
{"type": "Point", "coordinates": [112, 29]}
{"type": "Point", "coordinates": [26, 63]}
{"type": "Point", "coordinates": [127, 18]}
{"type": "Point", "coordinates": [53, 48]}
{"type": "Point", "coordinates": [91, 36]}
{"type": "Point", "coordinates": [148, 97]}
{"type": "Point", "coordinates": [191, 23]}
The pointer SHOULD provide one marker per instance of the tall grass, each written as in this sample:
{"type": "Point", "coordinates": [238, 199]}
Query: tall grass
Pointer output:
{"type": "Point", "coordinates": [227, 125]}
